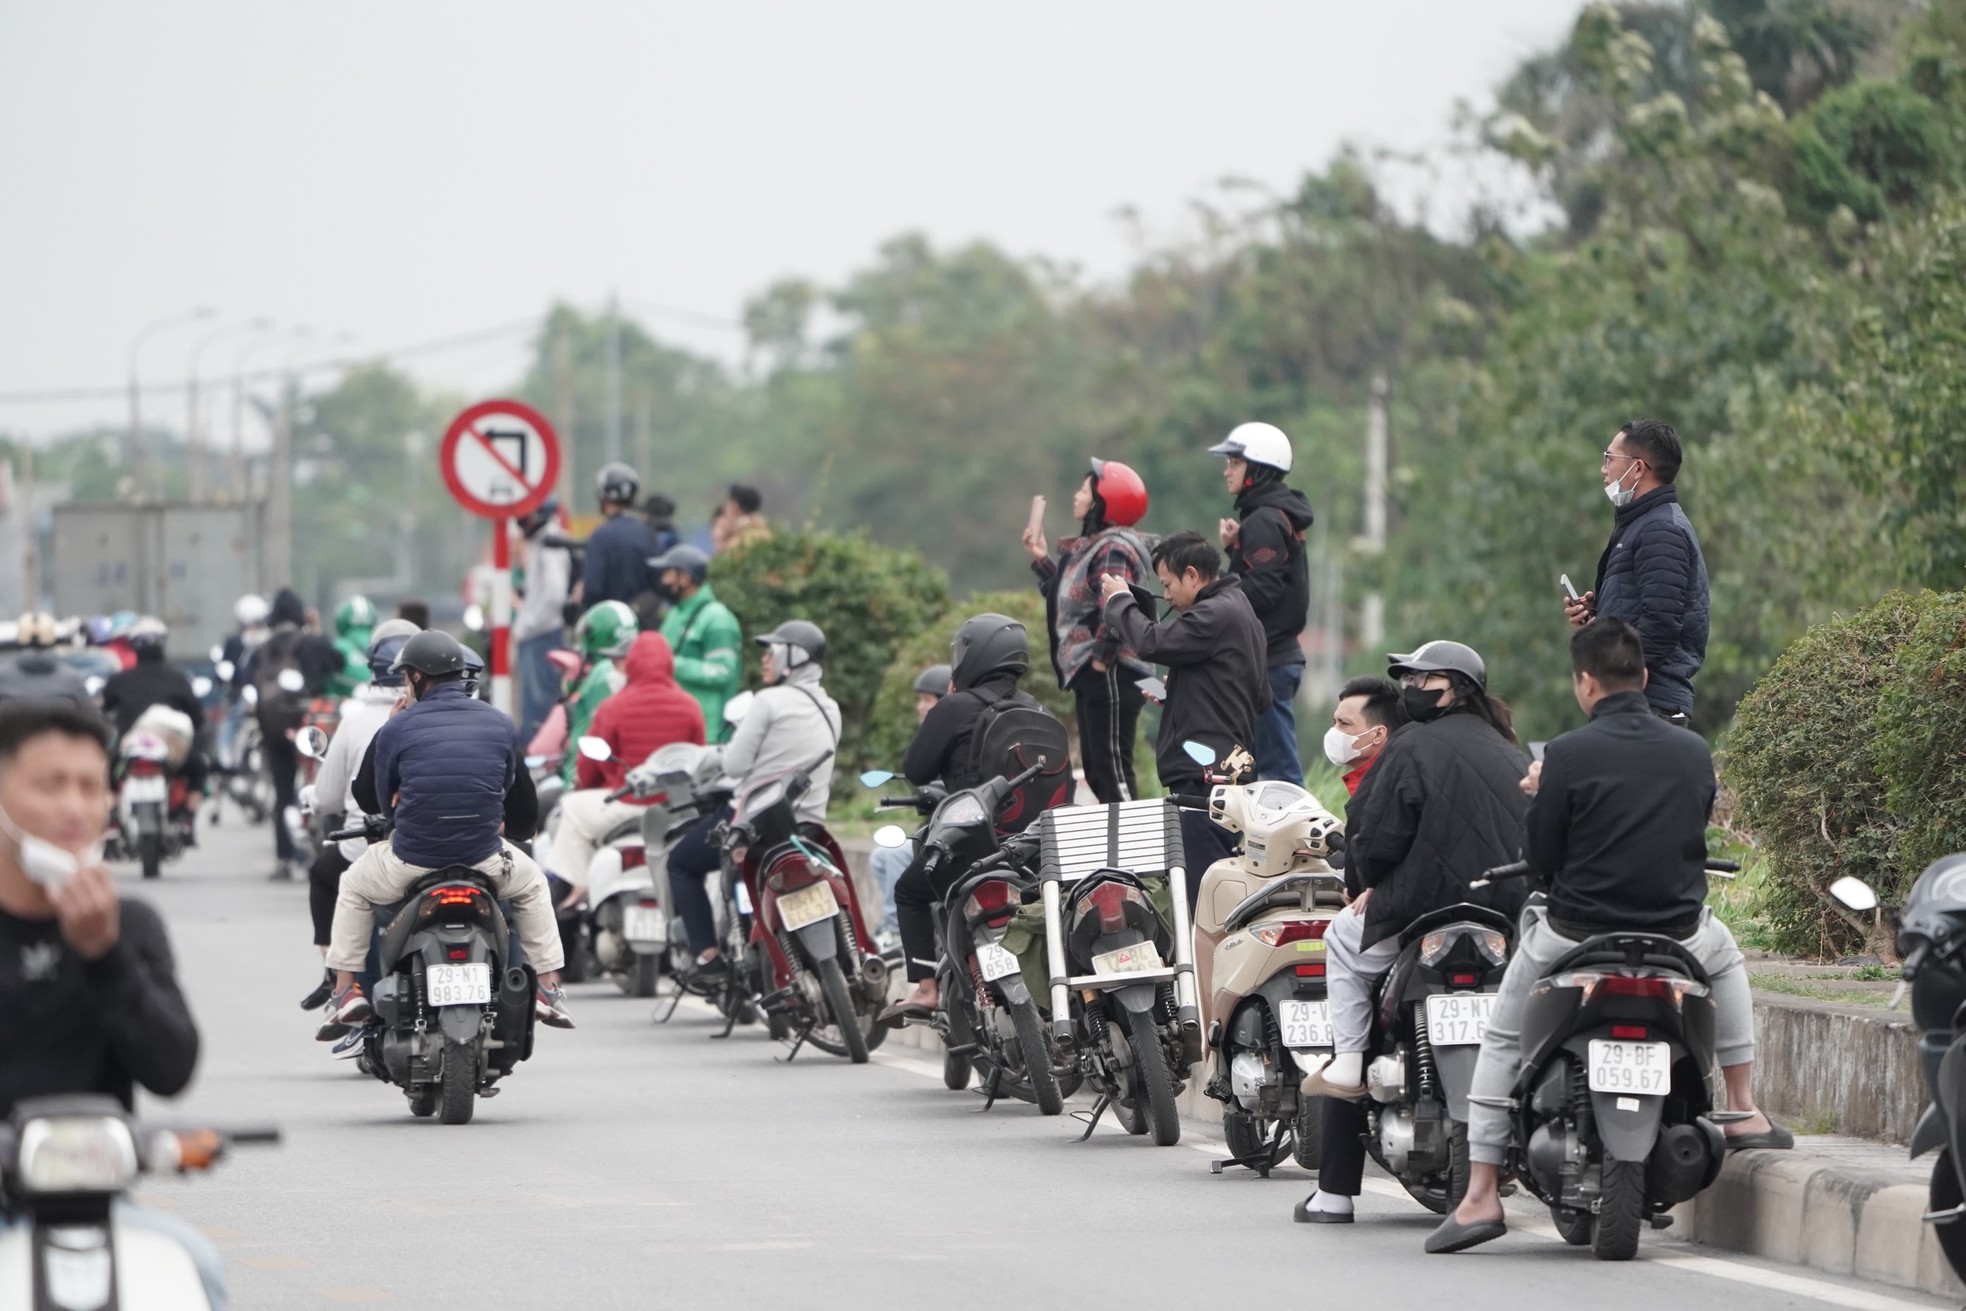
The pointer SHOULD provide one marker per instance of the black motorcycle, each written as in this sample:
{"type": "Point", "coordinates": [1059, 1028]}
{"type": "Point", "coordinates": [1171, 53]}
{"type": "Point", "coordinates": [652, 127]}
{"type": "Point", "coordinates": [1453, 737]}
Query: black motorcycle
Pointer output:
{"type": "Point", "coordinates": [1613, 1117]}
{"type": "Point", "coordinates": [453, 1000]}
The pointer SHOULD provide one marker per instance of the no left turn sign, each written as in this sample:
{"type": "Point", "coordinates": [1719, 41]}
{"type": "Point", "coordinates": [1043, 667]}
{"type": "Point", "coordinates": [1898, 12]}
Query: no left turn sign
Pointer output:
{"type": "Point", "coordinates": [500, 459]}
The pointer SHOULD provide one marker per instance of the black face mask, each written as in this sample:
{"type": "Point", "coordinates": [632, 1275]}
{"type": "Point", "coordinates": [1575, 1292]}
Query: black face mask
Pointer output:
{"type": "Point", "coordinates": [1422, 704]}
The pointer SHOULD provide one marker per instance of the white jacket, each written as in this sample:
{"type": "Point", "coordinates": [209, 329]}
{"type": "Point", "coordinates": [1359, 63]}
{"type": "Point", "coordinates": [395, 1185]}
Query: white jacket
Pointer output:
{"type": "Point", "coordinates": [362, 717]}
{"type": "Point", "coordinates": [789, 725]}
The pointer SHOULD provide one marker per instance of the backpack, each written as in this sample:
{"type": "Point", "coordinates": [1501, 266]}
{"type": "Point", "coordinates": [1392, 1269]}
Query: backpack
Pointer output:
{"type": "Point", "coordinates": [1009, 737]}
{"type": "Point", "coordinates": [277, 655]}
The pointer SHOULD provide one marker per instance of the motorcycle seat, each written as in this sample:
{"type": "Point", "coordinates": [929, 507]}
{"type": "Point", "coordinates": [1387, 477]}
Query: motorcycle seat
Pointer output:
{"type": "Point", "coordinates": [627, 828]}
{"type": "Point", "coordinates": [395, 938]}
{"type": "Point", "coordinates": [1459, 913]}
{"type": "Point", "coordinates": [1631, 950]}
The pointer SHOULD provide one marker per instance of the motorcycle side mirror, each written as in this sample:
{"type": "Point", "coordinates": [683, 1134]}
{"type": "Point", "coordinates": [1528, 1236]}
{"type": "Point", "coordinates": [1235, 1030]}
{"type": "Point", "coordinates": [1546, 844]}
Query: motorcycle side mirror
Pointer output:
{"type": "Point", "coordinates": [874, 778]}
{"type": "Point", "coordinates": [224, 670]}
{"type": "Point", "coordinates": [218, 654]}
{"type": "Point", "coordinates": [595, 749]}
{"type": "Point", "coordinates": [251, 695]}
{"type": "Point", "coordinates": [890, 836]}
{"type": "Point", "coordinates": [311, 742]}
{"type": "Point", "coordinates": [201, 687]}
{"type": "Point", "coordinates": [1201, 755]}
{"type": "Point", "coordinates": [534, 762]}
{"type": "Point", "coordinates": [1854, 893]}
{"type": "Point", "coordinates": [474, 618]}
{"type": "Point", "coordinates": [738, 706]}
{"type": "Point", "coordinates": [292, 680]}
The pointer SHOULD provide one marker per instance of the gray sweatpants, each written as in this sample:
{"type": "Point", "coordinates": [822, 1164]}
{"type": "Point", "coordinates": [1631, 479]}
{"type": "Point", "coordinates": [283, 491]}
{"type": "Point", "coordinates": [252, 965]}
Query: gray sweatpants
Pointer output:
{"type": "Point", "coordinates": [1537, 948]}
{"type": "Point", "coordinates": [1350, 974]}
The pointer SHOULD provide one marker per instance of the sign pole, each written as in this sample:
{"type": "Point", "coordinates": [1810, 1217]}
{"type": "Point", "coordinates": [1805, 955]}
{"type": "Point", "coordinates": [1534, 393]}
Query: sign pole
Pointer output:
{"type": "Point", "coordinates": [501, 618]}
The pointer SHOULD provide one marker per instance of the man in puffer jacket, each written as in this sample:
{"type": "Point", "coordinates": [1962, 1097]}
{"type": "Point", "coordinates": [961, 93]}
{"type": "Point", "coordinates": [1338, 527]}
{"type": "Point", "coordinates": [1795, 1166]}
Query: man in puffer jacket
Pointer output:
{"type": "Point", "coordinates": [649, 713]}
{"type": "Point", "coordinates": [1652, 575]}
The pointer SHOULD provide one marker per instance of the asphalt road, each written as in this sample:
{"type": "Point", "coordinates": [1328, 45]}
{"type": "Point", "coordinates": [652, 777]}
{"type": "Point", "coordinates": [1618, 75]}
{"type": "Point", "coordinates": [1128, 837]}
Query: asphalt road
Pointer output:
{"type": "Point", "coordinates": [631, 1165]}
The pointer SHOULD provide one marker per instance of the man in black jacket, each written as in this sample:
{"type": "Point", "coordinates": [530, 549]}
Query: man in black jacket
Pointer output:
{"type": "Point", "coordinates": [1617, 833]}
{"type": "Point", "coordinates": [1265, 542]}
{"type": "Point", "coordinates": [1213, 647]}
{"type": "Point", "coordinates": [1652, 574]}
{"type": "Point", "coordinates": [154, 681]}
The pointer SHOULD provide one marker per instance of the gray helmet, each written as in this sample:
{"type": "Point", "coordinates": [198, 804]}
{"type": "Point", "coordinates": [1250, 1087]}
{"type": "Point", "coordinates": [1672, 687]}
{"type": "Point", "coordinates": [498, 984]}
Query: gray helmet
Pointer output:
{"type": "Point", "coordinates": [617, 484]}
{"type": "Point", "coordinates": [934, 680]}
{"type": "Point", "coordinates": [385, 644]}
{"type": "Point", "coordinates": [1441, 658]}
{"type": "Point", "coordinates": [986, 645]}
{"type": "Point", "coordinates": [684, 557]}
{"type": "Point", "coordinates": [433, 653]}
{"type": "Point", "coordinates": [801, 633]}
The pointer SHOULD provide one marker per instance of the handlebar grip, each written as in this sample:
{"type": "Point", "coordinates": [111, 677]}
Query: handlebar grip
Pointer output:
{"type": "Point", "coordinates": [619, 793]}
{"type": "Point", "coordinates": [1187, 803]}
{"type": "Point", "coordinates": [1030, 773]}
{"type": "Point", "coordinates": [896, 803]}
{"type": "Point", "coordinates": [347, 835]}
{"type": "Point", "coordinates": [1335, 840]}
{"type": "Point", "coordinates": [254, 1133]}
{"type": "Point", "coordinates": [1915, 962]}
{"type": "Point", "coordinates": [1724, 866]}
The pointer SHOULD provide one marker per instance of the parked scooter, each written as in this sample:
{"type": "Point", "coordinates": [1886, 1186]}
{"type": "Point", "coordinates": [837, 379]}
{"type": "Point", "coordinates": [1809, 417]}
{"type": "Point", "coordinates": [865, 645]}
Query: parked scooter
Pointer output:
{"type": "Point", "coordinates": [1613, 1113]}
{"type": "Point", "coordinates": [1260, 918]}
{"type": "Point", "coordinates": [985, 1013]}
{"type": "Point", "coordinates": [64, 1163]}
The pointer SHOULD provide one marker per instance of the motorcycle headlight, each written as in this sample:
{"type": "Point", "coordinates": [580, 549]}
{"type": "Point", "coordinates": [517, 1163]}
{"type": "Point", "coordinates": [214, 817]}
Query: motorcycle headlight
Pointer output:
{"type": "Point", "coordinates": [76, 1154]}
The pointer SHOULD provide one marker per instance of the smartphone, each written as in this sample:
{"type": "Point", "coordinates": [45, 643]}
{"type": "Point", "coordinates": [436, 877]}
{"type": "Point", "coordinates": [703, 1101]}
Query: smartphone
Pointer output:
{"type": "Point", "coordinates": [1037, 515]}
{"type": "Point", "coordinates": [1153, 687]}
{"type": "Point", "coordinates": [1568, 589]}
{"type": "Point", "coordinates": [1536, 750]}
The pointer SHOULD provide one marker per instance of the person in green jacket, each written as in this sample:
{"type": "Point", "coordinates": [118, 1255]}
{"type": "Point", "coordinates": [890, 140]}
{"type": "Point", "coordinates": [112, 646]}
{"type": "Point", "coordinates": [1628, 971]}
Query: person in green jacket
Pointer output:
{"type": "Point", "coordinates": [354, 620]}
{"type": "Point", "coordinates": [702, 632]}
{"type": "Point", "coordinates": [602, 636]}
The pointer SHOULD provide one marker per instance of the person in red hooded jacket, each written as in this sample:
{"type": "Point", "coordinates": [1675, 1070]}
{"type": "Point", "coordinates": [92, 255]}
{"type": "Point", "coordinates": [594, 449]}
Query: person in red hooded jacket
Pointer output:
{"type": "Point", "coordinates": [647, 714]}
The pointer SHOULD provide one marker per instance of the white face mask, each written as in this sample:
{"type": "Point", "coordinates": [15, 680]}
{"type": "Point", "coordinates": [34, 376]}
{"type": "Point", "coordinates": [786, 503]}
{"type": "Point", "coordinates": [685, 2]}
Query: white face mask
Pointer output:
{"type": "Point", "coordinates": [1340, 747]}
{"type": "Point", "coordinates": [44, 862]}
{"type": "Point", "coordinates": [1621, 495]}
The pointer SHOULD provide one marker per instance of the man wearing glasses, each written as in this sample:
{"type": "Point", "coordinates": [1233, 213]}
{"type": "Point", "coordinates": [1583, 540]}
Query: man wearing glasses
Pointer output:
{"type": "Point", "coordinates": [1652, 575]}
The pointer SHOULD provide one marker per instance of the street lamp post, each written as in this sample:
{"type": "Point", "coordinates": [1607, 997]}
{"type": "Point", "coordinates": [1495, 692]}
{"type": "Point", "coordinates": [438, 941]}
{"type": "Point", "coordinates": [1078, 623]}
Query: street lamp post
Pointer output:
{"type": "Point", "coordinates": [134, 457]}
{"type": "Point", "coordinates": [194, 441]}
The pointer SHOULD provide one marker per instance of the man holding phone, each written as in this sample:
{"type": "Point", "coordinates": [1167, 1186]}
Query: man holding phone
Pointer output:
{"type": "Point", "coordinates": [1652, 575]}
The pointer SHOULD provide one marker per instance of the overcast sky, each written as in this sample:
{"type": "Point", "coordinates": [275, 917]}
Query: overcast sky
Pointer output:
{"type": "Point", "coordinates": [404, 172]}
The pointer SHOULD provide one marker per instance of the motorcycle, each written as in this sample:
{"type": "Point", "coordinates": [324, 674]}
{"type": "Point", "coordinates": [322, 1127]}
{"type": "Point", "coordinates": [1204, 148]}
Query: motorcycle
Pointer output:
{"type": "Point", "coordinates": [1613, 1121]}
{"type": "Point", "coordinates": [453, 1002]}
{"type": "Point", "coordinates": [1121, 970]}
{"type": "Point", "coordinates": [1260, 917]}
{"type": "Point", "coordinates": [798, 945]}
{"type": "Point", "coordinates": [1929, 939]}
{"type": "Point", "coordinates": [64, 1162]}
{"type": "Point", "coordinates": [153, 816]}
{"type": "Point", "coordinates": [985, 1014]}
{"type": "Point", "coordinates": [241, 762]}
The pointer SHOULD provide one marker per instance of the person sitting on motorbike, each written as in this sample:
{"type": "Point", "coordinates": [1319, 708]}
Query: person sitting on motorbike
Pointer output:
{"type": "Point", "coordinates": [362, 717]}
{"type": "Point", "coordinates": [1617, 833]}
{"type": "Point", "coordinates": [442, 769]}
{"type": "Point", "coordinates": [603, 635]}
{"type": "Point", "coordinates": [648, 714]}
{"type": "Point", "coordinates": [1440, 805]}
{"type": "Point", "coordinates": [36, 672]}
{"type": "Point", "coordinates": [793, 724]}
{"type": "Point", "coordinates": [152, 681]}
{"type": "Point", "coordinates": [249, 613]}
{"type": "Point", "coordinates": [354, 629]}
{"type": "Point", "coordinates": [888, 864]}
{"type": "Point", "coordinates": [702, 631]}
{"type": "Point", "coordinates": [1364, 721]}
{"type": "Point", "coordinates": [990, 654]}
{"type": "Point", "coordinates": [280, 704]}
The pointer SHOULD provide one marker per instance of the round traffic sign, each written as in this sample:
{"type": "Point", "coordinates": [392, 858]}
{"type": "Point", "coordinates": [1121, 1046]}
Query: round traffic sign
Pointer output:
{"type": "Point", "coordinates": [500, 459]}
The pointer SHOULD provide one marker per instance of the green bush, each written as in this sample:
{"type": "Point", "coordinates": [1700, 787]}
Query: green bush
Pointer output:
{"type": "Point", "coordinates": [1843, 760]}
{"type": "Point", "coordinates": [1869, 146]}
{"type": "Point", "coordinates": [868, 599]}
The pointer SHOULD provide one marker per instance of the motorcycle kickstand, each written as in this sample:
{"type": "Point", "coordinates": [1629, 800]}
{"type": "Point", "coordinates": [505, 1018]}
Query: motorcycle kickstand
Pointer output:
{"type": "Point", "coordinates": [661, 1016]}
{"type": "Point", "coordinates": [730, 1022]}
{"type": "Point", "coordinates": [992, 1088]}
{"type": "Point", "coordinates": [1092, 1118]}
{"type": "Point", "coordinates": [1261, 1162]}
{"type": "Point", "coordinates": [804, 1033]}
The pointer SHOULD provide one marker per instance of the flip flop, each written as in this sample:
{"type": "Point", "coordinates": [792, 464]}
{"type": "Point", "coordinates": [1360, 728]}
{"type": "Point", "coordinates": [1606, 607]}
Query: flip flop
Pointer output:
{"type": "Point", "coordinates": [1315, 1086]}
{"type": "Point", "coordinates": [1306, 1216]}
{"type": "Point", "coordinates": [1774, 1138]}
{"type": "Point", "coordinates": [1453, 1236]}
{"type": "Point", "coordinates": [901, 1012]}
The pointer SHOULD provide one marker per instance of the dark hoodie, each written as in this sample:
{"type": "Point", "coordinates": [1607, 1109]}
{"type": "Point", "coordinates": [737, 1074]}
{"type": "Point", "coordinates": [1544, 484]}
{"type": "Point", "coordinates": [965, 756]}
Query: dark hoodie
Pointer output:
{"type": "Point", "coordinates": [290, 647]}
{"type": "Point", "coordinates": [647, 714]}
{"type": "Point", "coordinates": [1269, 558]}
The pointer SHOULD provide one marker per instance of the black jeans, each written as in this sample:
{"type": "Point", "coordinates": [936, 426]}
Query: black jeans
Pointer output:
{"type": "Point", "coordinates": [323, 886]}
{"type": "Point", "coordinates": [915, 895]}
{"type": "Point", "coordinates": [691, 861]}
{"type": "Point", "coordinates": [1203, 842]}
{"type": "Point", "coordinates": [1341, 1163]}
{"type": "Point", "coordinates": [1109, 721]}
{"type": "Point", "coordinates": [283, 763]}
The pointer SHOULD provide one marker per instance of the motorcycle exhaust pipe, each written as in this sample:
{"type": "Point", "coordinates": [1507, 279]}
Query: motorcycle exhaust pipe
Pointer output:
{"type": "Point", "coordinates": [515, 980]}
{"type": "Point", "coordinates": [874, 971]}
{"type": "Point", "coordinates": [1680, 1164]}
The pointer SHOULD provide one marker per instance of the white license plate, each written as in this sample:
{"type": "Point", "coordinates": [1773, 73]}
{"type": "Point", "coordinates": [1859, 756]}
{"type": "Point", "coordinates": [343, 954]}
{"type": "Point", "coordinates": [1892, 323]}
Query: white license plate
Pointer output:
{"type": "Point", "coordinates": [807, 906]}
{"type": "Point", "coordinates": [139, 788]}
{"type": "Point", "coordinates": [1128, 960]}
{"type": "Point", "coordinates": [1644, 1068]}
{"type": "Point", "coordinates": [458, 985]}
{"type": "Point", "coordinates": [643, 924]}
{"type": "Point", "coordinates": [994, 961]}
{"type": "Point", "coordinates": [1458, 1019]}
{"type": "Point", "coordinates": [743, 898]}
{"type": "Point", "coordinates": [1305, 1023]}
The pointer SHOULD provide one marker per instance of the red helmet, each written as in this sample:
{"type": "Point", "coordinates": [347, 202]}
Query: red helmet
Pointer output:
{"type": "Point", "coordinates": [1122, 491]}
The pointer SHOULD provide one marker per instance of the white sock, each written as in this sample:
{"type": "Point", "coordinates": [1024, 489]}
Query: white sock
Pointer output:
{"type": "Point", "coordinates": [1347, 1070]}
{"type": "Point", "coordinates": [1329, 1203]}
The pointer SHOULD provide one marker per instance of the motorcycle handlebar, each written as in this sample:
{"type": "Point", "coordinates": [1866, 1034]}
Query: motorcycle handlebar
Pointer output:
{"type": "Point", "coordinates": [1515, 869]}
{"type": "Point", "coordinates": [896, 803]}
{"type": "Point", "coordinates": [1187, 803]}
{"type": "Point", "coordinates": [1916, 961]}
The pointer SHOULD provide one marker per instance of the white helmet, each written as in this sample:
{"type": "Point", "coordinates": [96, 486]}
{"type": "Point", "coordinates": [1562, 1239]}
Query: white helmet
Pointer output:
{"type": "Point", "coordinates": [251, 610]}
{"type": "Point", "coordinates": [1258, 443]}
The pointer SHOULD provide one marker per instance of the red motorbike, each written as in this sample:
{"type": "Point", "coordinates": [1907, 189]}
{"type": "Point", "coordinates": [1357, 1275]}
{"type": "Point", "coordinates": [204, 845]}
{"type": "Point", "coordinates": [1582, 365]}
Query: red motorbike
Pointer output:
{"type": "Point", "coordinates": [799, 946]}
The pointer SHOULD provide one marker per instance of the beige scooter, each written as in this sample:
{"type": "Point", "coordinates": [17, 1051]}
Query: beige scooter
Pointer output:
{"type": "Point", "coordinates": [1259, 955]}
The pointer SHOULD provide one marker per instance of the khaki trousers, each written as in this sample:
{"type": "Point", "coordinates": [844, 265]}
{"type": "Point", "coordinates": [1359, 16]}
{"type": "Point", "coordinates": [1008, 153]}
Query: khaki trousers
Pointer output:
{"type": "Point", "coordinates": [380, 879]}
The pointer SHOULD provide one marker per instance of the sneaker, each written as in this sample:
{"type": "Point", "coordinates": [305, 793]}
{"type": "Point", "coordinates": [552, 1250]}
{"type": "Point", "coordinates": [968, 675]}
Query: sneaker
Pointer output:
{"type": "Point", "coordinates": [707, 976]}
{"type": "Point", "coordinates": [549, 1007]}
{"type": "Point", "coordinates": [350, 1045]}
{"type": "Point", "coordinates": [345, 1010]}
{"type": "Point", "coordinates": [318, 998]}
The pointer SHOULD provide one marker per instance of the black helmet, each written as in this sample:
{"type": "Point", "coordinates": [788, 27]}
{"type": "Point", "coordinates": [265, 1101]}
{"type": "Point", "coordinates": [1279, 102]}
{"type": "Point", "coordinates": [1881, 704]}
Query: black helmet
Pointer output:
{"type": "Point", "coordinates": [548, 511]}
{"type": "Point", "coordinates": [987, 645]}
{"type": "Point", "coordinates": [1441, 658]}
{"type": "Point", "coordinates": [686, 558]}
{"type": "Point", "coordinates": [934, 680]}
{"type": "Point", "coordinates": [434, 654]}
{"type": "Point", "coordinates": [617, 484]}
{"type": "Point", "coordinates": [801, 633]}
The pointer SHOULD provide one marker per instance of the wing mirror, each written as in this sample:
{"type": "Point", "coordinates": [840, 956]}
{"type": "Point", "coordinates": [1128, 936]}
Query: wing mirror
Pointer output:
{"type": "Point", "coordinates": [595, 749]}
{"type": "Point", "coordinates": [890, 836]}
{"type": "Point", "coordinates": [874, 778]}
{"type": "Point", "coordinates": [1854, 893]}
{"type": "Point", "coordinates": [201, 687]}
{"type": "Point", "coordinates": [292, 680]}
{"type": "Point", "coordinates": [311, 742]}
{"type": "Point", "coordinates": [1201, 755]}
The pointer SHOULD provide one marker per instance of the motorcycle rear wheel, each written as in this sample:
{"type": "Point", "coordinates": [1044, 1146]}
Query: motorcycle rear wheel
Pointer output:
{"type": "Point", "coordinates": [640, 978]}
{"type": "Point", "coordinates": [1309, 1131]}
{"type": "Point", "coordinates": [1620, 1211]}
{"type": "Point", "coordinates": [1037, 1058]}
{"type": "Point", "coordinates": [1573, 1226]}
{"type": "Point", "coordinates": [1244, 1134]}
{"type": "Point", "coordinates": [1151, 1079]}
{"type": "Point", "coordinates": [150, 850]}
{"type": "Point", "coordinates": [845, 1018]}
{"type": "Point", "coordinates": [460, 1084]}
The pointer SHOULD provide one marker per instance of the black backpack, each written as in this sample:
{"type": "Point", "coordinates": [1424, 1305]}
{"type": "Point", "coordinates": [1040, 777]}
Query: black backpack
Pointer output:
{"type": "Point", "coordinates": [1010, 736]}
{"type": "Point", "coordinates": [276, 705]}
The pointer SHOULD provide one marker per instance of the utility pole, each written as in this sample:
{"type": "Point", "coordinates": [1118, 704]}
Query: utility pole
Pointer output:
{"type": "Point", "coordinates": [614, 379]}
{"type": "Point", "coordinates": [279, 554]}
{"type": "Point", "coordinates": [563, 412]}
{"type": "Point", "coordinates": [645, 432]}
{"type": "Point", "coordinates": [1372, 611]}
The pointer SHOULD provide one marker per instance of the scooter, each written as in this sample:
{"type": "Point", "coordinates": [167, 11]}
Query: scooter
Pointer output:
{"type": "Point", "coordinates": [64, 1163]}
{"type": "Point", "coordinates": [153, 816]}
{"type": "Point", "coordinates": [1260, 918]}
{"type": "Point", "coordinates": [1613, 1115]}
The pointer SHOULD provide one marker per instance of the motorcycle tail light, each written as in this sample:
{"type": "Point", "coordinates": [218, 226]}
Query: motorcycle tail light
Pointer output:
{"type": "Point", "coordinates": [1310, 971]}
{"type": "Point", "coordinates": [459, 953]}
{"type": "Point", "coordinates": [442, 898]}
{"type": "Point", "coordinates": [989, 903]}
{"type": "Point", "coordinates": [1642, 987]}
{"type": "Point", "coordinates": [146, 768]}
{"type": "Point", "coordinates": [1276, 935]}
{"type": "Point", "coordinates": [1493, 945]}
{"type": "Point", "coordinates": [1463, 980]}
{"type": "Point", "coordinates": [1109, 900]}
{"type": "Point", "coordinates": [1635, 1032]}
{"type": "Point", "coordinates": [634, 857]}
{"type": "Point", "coordinates": [649, 903]}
